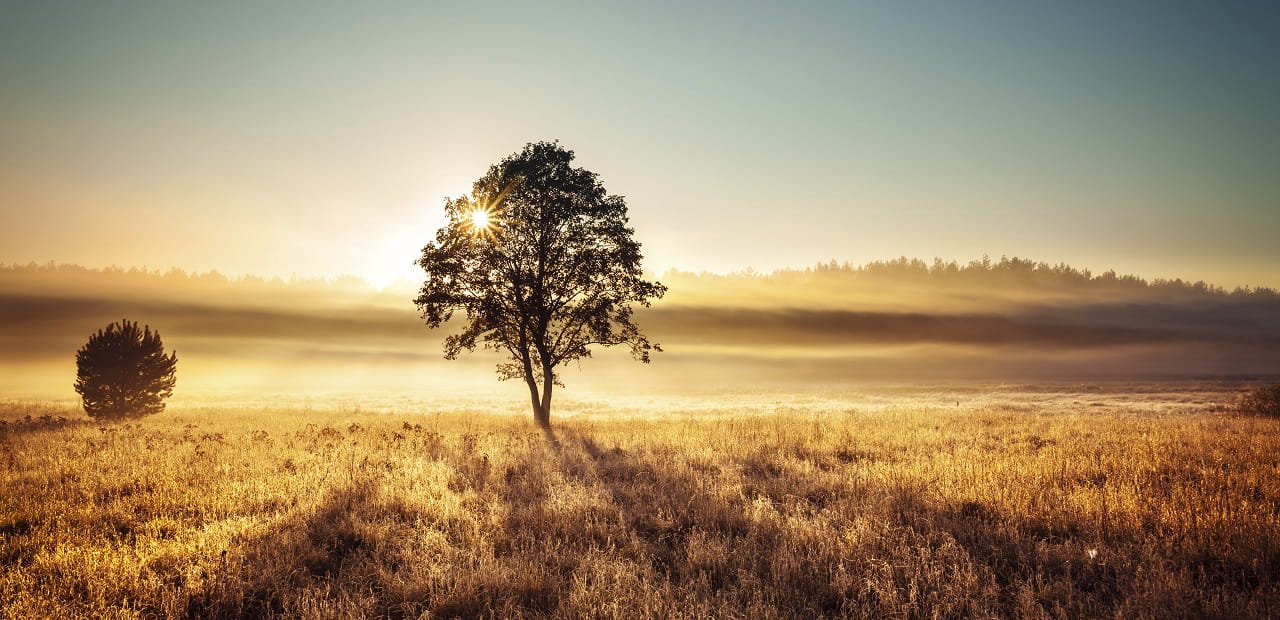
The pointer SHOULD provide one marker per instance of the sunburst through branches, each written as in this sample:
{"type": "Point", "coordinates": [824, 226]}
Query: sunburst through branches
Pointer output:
{"type": "Point", "coordinates": [483, 222]}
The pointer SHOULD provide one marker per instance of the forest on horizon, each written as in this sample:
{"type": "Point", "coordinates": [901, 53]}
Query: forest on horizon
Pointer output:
{"type": "Point", "coordinates": [1007, 270]}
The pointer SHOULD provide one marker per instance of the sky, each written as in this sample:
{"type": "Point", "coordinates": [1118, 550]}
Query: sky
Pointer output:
{"type": "Point", "coordinates": [320, 139]}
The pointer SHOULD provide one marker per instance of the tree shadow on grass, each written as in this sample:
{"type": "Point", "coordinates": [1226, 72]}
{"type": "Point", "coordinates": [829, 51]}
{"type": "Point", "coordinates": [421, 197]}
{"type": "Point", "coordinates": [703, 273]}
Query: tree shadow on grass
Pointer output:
{"type": "Point", "coordinates": [300, 550]}
{"type": "Point", "coordinates": [757, 534]}
{"type": "Point", "coordinates": [579, 526]}
{"type": "Point", "coordinates": [764, 536]}
{"type": "Point", "coordinates": [363, 550]}
{"type": "Point", "coordinates": [1061, 564]}
{"type": "Point", "coordinates": [703, 542]}
{"type": "Point", "coordinates": [575, 515]}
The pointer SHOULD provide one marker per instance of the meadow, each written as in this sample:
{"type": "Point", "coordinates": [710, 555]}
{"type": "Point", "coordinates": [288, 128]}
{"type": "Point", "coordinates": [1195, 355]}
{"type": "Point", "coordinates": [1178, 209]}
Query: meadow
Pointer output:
{"type": "Point", "coordinates": [1081, 501]}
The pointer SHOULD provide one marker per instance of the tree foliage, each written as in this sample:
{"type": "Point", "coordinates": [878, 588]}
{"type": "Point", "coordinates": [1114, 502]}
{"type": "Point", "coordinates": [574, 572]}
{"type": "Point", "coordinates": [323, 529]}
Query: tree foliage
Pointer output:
{"type": "Point", "coordinates": [123, 372]}
{"type": "Point", "coordinates": [1264, 400]}
{"type": "Point", "coordinates": [542, 263]}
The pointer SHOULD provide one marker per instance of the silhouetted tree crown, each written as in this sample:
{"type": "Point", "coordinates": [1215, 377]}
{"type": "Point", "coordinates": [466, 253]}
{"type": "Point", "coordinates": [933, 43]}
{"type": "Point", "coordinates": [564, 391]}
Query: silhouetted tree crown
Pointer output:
{"type": "Point", "coordinates": [123, 372]}
{"type": "Point", "coordinates": [541, 261]}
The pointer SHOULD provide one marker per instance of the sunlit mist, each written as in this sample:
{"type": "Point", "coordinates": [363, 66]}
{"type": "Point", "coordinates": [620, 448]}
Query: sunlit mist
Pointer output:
{"type": "Point", "coordinates": [899, 321]}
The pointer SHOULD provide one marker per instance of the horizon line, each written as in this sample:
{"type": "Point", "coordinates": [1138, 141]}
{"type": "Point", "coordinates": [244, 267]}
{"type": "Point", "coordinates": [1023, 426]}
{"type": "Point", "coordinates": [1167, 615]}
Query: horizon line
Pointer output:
{"type": "Point", "coordinates": [746, 272]}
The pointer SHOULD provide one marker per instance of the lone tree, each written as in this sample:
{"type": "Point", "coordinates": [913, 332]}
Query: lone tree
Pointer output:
{"type": "Point", "coordinates": [540, 259]}
{"type": "Point", "coordinates": [123, 372]}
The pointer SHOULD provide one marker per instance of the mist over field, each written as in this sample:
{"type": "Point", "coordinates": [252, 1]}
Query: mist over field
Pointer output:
{"type": "Point", "coordinates": [900, 321]}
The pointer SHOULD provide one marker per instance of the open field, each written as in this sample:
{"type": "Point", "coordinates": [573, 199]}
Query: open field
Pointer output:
{"type": "Point", "coordinates": [1089, 501]}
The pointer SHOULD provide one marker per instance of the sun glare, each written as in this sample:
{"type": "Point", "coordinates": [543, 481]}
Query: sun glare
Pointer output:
{"type": "Point", "coordinates": [483, 222]}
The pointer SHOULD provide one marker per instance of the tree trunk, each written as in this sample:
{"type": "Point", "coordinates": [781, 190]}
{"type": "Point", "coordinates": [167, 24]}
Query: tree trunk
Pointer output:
{"type": "Point", "coordinates": [541, 407]}
{"type": "Point", "coordinates": [543, 421]}
{"type": "Point", "coordinates": [542, 415]}
{"type": "Point", "coordinates": [544, 411]}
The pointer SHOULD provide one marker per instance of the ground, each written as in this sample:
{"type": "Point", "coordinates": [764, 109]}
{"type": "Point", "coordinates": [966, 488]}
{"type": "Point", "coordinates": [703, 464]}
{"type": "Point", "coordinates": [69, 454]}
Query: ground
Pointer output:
{"type": "Point", "coordinates": [1133, 501]}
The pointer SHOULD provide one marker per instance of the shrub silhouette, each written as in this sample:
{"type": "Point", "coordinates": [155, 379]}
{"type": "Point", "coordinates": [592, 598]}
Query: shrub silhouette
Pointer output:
{"type": "Point", "coordinates": [123, 372]}
{"type": "Point", "coordinates": [1262, 401]}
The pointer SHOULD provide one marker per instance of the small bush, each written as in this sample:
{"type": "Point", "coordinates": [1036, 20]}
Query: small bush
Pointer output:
{"type": "Point", "coordinates": [1262, 401]}
{"type": "Point", "coordinates": [123, 372]}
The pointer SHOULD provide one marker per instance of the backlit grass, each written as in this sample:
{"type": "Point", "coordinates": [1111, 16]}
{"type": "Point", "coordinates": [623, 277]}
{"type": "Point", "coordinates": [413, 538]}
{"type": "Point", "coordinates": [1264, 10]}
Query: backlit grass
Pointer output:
{"type": "Point", "coordinates": [1043, 507]}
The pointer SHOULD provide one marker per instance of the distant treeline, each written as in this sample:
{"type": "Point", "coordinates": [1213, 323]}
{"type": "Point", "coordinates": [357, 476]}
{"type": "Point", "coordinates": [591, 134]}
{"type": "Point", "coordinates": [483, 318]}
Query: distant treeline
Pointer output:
{"type": "Point", "coordinates": [66, 272]}
{"type": "Point", "coordinates": [53, 280]}
{"type": "Point", "coordinates": [1007, 273]}
{"type": "Point", "coordinates": [982, 272]}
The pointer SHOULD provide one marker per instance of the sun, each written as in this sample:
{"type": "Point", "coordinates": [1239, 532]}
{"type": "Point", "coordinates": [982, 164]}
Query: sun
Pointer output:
{"type": "Point", "coordinates": [483, 222]}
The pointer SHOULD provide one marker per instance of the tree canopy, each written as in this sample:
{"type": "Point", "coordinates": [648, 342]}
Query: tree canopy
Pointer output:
{"type": "Point", "coordinates": [542, 263]}
{"type": "Point", "coordinates": [123, 372]}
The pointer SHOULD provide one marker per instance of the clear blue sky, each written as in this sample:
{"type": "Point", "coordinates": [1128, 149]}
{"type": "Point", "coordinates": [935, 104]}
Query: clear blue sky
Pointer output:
{"type": "Point", "coordinates": [282, 137]}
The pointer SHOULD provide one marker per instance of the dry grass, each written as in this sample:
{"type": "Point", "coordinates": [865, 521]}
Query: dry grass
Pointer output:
{"type": "Point", "coordinates": [1058, 507]}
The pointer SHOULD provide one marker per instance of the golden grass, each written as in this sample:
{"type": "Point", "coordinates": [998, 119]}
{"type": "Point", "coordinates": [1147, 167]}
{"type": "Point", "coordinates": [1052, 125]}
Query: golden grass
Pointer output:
{"type": "Point", "coordinates": [1055, 507]}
